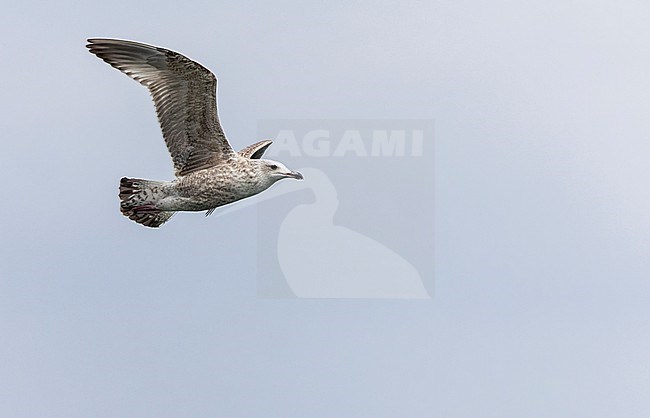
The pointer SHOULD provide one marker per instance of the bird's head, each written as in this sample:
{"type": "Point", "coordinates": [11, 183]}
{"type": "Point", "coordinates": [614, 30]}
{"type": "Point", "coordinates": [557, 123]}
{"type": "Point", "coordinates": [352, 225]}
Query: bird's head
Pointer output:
{"type": "Point", "coordinates": [275, 171]}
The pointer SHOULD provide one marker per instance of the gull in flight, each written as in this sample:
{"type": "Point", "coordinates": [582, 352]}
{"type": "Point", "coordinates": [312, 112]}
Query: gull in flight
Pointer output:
{"type": "Point", "coordinates": [209, 173]}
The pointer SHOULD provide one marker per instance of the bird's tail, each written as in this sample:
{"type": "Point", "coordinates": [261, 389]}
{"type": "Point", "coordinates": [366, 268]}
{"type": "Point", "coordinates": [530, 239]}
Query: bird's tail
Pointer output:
{"type": "Point", "coordinates": [138, 201]}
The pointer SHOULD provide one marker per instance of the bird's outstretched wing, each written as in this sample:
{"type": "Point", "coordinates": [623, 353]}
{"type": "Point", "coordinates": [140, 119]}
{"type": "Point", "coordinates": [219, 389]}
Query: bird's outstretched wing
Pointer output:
{"type": "Point", "coordinates": [184, 94]}
{"type": "Point", "coordinates": [256, 150]}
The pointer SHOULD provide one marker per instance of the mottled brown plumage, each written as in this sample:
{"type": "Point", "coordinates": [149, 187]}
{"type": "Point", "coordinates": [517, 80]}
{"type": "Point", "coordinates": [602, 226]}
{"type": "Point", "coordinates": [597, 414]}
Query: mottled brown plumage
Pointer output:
{"type": "Point", "coordinates": [209, 173]}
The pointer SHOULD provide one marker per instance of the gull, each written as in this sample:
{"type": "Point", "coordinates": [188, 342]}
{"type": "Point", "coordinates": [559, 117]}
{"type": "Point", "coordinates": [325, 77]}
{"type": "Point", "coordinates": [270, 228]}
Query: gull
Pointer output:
{"type": "Point", "coordinates": [209, 173]}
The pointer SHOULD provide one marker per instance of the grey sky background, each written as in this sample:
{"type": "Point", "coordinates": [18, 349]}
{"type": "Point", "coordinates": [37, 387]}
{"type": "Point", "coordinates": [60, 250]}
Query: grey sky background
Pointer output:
{"type": "Point", "coordinates": [542, 214]}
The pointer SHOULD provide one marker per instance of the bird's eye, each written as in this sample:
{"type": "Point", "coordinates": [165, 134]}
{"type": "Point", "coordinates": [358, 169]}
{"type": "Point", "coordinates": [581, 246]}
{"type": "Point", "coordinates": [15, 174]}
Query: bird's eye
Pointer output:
{"type": "Point", "coordinates": [273, 167]}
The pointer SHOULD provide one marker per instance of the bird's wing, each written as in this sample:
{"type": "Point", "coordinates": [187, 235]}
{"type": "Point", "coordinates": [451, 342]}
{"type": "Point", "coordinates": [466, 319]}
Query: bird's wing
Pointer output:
{"type": "Point", "coordinates": [184, 94]}
{"type": "Point", "coordinates": [256, 150]}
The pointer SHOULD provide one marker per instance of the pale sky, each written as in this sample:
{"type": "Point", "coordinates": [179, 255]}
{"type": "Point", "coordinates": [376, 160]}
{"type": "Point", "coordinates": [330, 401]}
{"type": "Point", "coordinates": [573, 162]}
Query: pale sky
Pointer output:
{"type": "Point", "coordinates": [541, 220]}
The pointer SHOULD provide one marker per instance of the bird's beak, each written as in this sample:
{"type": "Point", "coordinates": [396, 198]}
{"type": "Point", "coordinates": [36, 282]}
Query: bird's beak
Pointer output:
{"type": "Point", "coordinates": [295, 175]}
